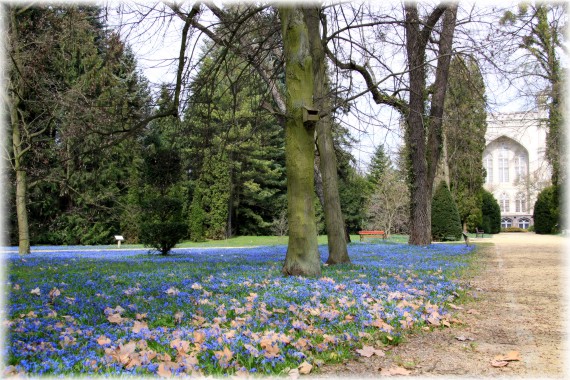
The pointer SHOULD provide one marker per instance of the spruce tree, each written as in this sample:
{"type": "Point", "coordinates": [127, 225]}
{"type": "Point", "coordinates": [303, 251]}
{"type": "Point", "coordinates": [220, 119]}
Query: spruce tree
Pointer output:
{"type": "Point", "coordinates": [379, 164]}
{"type": "Point", "coordinates": [80, 84]}
{"type": "Point", "coordinates": [445, 222]}
{"type": "Point", "coordinates": [235, 149]}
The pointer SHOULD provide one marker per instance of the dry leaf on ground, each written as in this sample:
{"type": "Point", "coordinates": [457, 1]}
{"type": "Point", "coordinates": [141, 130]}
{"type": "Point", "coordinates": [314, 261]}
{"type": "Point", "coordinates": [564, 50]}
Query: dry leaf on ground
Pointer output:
{"type": "Point", "coordinates": [511, 356]}
{"type": "Point", "coordinates": [115, 318]}
{"type": "Point", "coordinates": [368, 351]}
{"type": "Point", "coordinates": [102, 340]}
{"type": "Point", "coordinates": [305, 368]}
{"type": "Point", "coordinates": [138, 326]}
{"type": "Point", "coordinates": [393, 371]}
{"type": "Point", "coordinates": [163, 371]}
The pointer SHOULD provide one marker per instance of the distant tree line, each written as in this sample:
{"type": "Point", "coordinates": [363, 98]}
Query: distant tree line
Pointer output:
{"type": "Point", "coordinates": [228, 147]}
{"type": "Point", "coordinates": [215, 172]}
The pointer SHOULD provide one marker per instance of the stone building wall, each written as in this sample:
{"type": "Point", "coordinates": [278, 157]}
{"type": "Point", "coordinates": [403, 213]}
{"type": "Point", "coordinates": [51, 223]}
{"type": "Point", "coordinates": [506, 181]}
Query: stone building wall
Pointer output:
{"type": "Point", "coordinates": [516, 165]}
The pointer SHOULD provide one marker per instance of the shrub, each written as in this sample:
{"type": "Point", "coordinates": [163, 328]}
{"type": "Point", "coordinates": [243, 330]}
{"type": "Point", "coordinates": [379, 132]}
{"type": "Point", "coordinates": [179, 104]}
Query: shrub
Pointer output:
{"type": "Point", "coordinates": [445, 221]}
{"type": "Point", "coordinates": [162, 224]}
{"type": "Point", "coordinates": [546, 211]}
{"type": "Point", "coordinates": [512, 229]}
{"type": "Point", "coordinates": [491, 220]}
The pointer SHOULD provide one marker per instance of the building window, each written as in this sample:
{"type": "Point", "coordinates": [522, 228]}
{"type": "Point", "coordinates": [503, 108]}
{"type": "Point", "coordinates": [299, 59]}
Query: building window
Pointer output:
{"type": "Point", "coordinates": [489, 169]}
{"type": "Point", "coordinates": [520, 167]}
{"type": "Point", "coordinates": [520, 203]}
{"type": "Point", "coordinates": [504, 164]}
{"type": "Point", "coordinates": [506, 223]}
{"type": "Point", "coordinates": [504, 202]}
{"type": "Point", "coordinates": [524, 223]}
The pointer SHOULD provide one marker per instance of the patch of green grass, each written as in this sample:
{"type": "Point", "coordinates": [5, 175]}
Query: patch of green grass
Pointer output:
{"type": "Point", "coordinates": [257, 241]}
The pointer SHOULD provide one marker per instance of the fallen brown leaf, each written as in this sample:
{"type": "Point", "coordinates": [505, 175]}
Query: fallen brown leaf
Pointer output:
{"type": "Point", "coordinates": [102, 340]}
{"type": "Point", "coordinates": [305, 368]}
{"type": "Point", "coordinates": [511, 356]}
{"type": "Point", "coordinates": [163, 371]}
{"type": "Point", "coordinates": [368, 351]}
{"type": "Point", "coordinates": [224, 356]}
{"type": "Point", "coordinates": [394, 371]}
{"type": "Point", "coordinates": [115, 318]}
{"type": "Point", "coordinates": [138, 326]}
{"type": "Point", "coordinates": [498, 363]}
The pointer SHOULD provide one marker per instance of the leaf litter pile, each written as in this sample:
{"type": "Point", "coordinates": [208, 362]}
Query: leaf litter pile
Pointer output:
{"type": "Point", "coordinates": [219, 311]}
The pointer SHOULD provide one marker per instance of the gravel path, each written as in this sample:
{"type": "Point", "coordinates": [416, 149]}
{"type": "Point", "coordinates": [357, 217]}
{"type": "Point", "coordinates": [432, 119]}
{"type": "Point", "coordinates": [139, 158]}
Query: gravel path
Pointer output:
{"type": "Point", "coordinates": [521, 304]}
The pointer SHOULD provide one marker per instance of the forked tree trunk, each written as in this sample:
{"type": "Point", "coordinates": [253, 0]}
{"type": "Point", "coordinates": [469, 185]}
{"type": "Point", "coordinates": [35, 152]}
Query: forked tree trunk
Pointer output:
{"type": "Point", "coordinates": [336, 231]}
{"type": "Point", "coordinates": [302, 252]}
{"type": "Point", "coordinates": [423, 133]}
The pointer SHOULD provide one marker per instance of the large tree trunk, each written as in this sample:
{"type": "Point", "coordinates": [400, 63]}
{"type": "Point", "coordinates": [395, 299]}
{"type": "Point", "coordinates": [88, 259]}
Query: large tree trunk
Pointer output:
{"type": "Point", "coordinates": [302, 252]}
{"type": "Point", "coordinates": [423, 133]}
{"type": "Point", "coordinates": [420, 205]}
{"type": "Point", "coordinates": [334, 220]}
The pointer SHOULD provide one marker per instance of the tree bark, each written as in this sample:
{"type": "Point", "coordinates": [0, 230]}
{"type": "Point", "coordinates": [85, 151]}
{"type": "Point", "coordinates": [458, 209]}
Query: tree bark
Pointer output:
{"type": "Point", "coordinates": [334, 219]}
{"type": "Point", "coordinates": [17, 145]}
{"type": "Point", "coordinates": [423, 134]}
{"type": "Point", "coordinates": [302, 252]}
{"type": "Point", "coordinates": [21, 187]}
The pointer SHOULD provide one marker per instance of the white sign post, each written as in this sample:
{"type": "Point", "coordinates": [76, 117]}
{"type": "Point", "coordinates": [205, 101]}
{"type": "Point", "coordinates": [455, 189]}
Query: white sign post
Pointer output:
{"type": "Point", "coordinates": [119, 239]}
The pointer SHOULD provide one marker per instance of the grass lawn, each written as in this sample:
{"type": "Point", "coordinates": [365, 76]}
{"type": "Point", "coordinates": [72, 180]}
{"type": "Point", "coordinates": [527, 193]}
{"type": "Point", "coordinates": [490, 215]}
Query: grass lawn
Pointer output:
{"type": "Point", "coordinates": [219, 311]}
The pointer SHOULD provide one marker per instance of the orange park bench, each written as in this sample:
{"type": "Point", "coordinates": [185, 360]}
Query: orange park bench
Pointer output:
{"type": "Point", "coordinates": [372, 234]}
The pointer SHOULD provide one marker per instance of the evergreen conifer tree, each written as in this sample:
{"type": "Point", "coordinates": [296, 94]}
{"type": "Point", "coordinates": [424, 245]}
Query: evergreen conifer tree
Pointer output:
{"type": "Point", "coordinates": [491, 213]}
{"type": "Point", "coordinates": [197, 216]}
{"type": "Point", "coordinates": [546, 212]}
{"type": "Point", "coordinates": [464, 126]}
{"type": "Point", "coordinates": [379, 164]}
{"type": "Point", "coordinates": [445, 222]}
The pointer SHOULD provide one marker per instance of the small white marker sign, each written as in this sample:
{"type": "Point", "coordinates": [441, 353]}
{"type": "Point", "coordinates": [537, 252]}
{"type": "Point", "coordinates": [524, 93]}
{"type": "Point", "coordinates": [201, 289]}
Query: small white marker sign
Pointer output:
{"type": "Point", "coordinates": [119, 239]}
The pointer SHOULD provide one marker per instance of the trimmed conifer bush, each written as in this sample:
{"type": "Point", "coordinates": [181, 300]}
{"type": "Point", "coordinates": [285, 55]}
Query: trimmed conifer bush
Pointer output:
{"type": "Point", "coordinates": [163, 225]}
{"type": "Point", "coordinates": [546, 211]}
{"type": "Point", "coordinates": [491, 221]}
{"type": "Point", "coordinates": [445, 221]}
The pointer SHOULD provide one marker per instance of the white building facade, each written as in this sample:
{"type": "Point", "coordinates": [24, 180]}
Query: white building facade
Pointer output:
{"type": "Point", "coordinates": [515, 162]}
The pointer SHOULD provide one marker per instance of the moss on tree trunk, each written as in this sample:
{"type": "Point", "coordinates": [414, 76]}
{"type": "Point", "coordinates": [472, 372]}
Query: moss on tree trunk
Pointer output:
{"type": "Point", "coordinates": [302, 252]}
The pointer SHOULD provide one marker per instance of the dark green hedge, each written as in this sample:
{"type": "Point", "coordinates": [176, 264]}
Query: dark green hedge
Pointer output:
{"type": "Point", "coordinates": [546, 211]}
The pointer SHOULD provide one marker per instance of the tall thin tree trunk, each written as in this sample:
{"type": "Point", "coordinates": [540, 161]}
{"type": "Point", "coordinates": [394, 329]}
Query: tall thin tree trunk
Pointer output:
{"type": "Point", "coordinates": [334, 219]}
{"type": "Point", "coordinates": [21, 182]}
{"type": "Point", "coordinates": [302, 252]}
{"type": "Point", "coordinates": [17, 150]}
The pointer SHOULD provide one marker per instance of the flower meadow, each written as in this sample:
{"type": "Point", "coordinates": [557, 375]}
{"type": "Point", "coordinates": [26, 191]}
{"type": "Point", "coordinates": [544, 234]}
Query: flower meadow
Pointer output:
{"type": "Point", "coordinates": [218, 311]}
